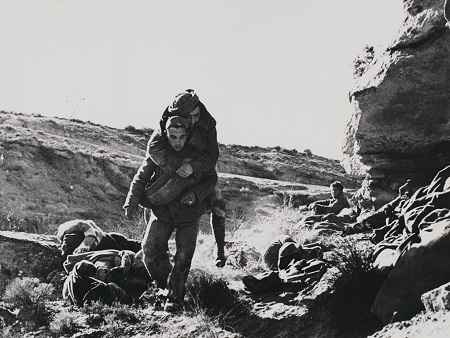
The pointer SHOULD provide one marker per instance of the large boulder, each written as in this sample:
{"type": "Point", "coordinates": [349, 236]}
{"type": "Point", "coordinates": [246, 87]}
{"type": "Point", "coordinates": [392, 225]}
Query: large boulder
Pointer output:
{"type": "Point", "coordinates": [425, 266]}
{"type": "Point", "coordinates": [27, 255]}
{"type": "Point", "coordinates": [400, 127]}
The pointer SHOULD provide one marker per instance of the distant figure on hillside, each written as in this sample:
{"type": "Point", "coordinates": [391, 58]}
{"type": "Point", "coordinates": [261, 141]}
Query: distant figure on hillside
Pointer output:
{"type": "Point", "coordinates": [333, 205]}
{"type": "Point", "coordinates": [78, 236]}
{"type": "Point", "coordinates": [202, 136]}
{"type": "Point", "coordinates": [176, 203]}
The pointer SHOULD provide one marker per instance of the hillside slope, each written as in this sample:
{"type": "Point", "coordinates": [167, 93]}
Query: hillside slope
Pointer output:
{"type": "Point", "coordinates": [53, 169]}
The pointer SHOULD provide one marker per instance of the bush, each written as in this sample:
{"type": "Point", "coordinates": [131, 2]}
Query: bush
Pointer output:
{"type": "Point", "coordinates": [146, 131]}
{"type": "Point", "coordinates": [209, 294]}
{"type": "Point", "coordinates": [64, 322]}
{"type": "Point", "coordinates": [307, 152]}
{"type": "Point", "coordinates": [29, 295]}
{"type": "Point", "coordinates": [8, 220]}
{"type": "Point", "coordinates": [116, 310]}
{"type": "Point", "coordinates": [347, 309]}
{"type": "Point", "coordinates": [130, 129]}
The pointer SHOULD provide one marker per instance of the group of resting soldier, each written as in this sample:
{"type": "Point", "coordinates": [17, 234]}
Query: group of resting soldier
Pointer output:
{"type": "Point", "coordinates": [293, 264]}
{"type": "Point", "coordinates": [395, 228]}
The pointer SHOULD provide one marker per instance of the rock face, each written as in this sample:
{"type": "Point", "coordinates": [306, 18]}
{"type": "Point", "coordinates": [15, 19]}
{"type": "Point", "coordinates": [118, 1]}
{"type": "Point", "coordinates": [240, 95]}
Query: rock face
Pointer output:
{"type": "Point", "coordinates": [27, 255]}
{"type": "Point", "coordinates": [400, 126]}
{"type": "Point", "coordinates": [437, 299]}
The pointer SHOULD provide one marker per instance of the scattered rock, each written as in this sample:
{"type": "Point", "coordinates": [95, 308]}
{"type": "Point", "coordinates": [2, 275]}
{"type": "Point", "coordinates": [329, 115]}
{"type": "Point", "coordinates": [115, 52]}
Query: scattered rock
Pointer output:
{"type": "Point", "coordinates": [437, 299]}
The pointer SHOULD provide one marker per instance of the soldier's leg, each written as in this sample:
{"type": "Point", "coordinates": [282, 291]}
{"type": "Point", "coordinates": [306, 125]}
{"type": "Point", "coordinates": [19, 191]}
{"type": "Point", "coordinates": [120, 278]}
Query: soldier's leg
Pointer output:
{"type": "Point", "coordinates": [218, 213]}
{"type": "Point", "coordinates": [186, 240]}
{"type": "Point", "coordinates": [155, 251]}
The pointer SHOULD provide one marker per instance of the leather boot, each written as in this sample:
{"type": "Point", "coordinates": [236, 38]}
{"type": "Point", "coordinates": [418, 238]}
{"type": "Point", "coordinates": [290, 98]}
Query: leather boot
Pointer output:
{"type": "Point", "coordinates": [218, 226]}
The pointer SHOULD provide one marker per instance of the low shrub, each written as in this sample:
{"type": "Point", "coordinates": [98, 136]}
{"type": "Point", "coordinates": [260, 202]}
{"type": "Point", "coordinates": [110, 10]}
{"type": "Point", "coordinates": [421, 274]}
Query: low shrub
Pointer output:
{"type": "Point", "coordinates": [130, 129]}
{"type": "Point", "coordinates": [209, 294]}
{"type": "Point", "coordinates": [64, 322]}
{"type": "Point", "coordinates": [346, 310]}
{"type": "Point", "coordinates": [29, 296]}
{"type": "Point", "coordinates": [118, 320]}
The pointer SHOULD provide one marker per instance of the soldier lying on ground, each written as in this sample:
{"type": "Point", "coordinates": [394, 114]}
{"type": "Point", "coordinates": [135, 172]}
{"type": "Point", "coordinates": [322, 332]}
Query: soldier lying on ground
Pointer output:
{"type": "Point", "coordinates": [290, 264]}
{"type": "Point", "coordinates": [399, 223]}
{"type": "Point", "coordinates": [77, 236]}
{"type": "Point", "coordinates": [100, 268]}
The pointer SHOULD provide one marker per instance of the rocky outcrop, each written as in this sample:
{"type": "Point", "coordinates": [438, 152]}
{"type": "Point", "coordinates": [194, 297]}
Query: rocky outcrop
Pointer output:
{"type": "Point", "coordinates": [27, 255]}
{"type": "Point", "coordinates": [400, 127]}
{"type": "Point", "coordinates": [437, 299]}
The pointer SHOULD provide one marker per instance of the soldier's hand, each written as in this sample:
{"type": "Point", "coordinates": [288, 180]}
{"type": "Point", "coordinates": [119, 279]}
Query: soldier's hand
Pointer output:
{"type": "Point", "coordinates": [83, 247]}
{"type": "Point", "coordinates": [185, 170]}
{"type": "Point", "coordinates": [188, 198]}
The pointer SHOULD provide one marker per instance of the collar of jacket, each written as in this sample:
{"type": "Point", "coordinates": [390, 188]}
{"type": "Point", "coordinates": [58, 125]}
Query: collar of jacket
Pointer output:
{"type": "Point", "coordinates": [206, 120]}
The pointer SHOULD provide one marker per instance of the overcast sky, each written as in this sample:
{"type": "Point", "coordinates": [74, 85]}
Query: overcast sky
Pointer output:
{"type": "Point", "coordinates": [270, 72]}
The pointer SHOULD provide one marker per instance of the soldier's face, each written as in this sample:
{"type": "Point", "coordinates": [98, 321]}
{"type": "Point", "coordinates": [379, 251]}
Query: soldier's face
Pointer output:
{"type": "Point", "coordinates": [177, 138]}
{"type": "Point", "coordinates": [193, 117]}
{"type": "Point", "coordinates": [335, 192]}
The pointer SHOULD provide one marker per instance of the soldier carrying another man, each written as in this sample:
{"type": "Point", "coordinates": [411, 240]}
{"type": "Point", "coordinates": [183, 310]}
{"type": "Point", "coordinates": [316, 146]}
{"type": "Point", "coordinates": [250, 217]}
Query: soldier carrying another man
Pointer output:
{"type": "Point", "coordinates": [177, 204]}
{"type": "Point", "coordinates": [202, 136]}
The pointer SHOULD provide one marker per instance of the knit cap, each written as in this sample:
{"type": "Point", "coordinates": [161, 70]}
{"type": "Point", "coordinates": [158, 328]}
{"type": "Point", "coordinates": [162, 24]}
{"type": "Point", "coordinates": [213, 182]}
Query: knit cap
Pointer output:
{"type": "Point", "coordinates": [184, 103]}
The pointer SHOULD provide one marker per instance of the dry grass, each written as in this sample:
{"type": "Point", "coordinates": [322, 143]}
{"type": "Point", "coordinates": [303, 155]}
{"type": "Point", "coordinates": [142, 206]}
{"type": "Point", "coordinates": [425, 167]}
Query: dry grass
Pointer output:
{"type": "Point", "coordinates": [64, 322]}
{"type": "Point", "coordinates": [346, 311]}
{"type": "Point", "coordinates": [29, 296]}
{"type": "Point", "coordinates": [119, 320]}
{"type": "Point", "coordinates": [261, 231]}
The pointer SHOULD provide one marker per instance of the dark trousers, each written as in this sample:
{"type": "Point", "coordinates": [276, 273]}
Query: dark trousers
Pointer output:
{"type": "Point", "coordinates": [156, 258]}
{"type": "Point", "coordinates": [217, 205]}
